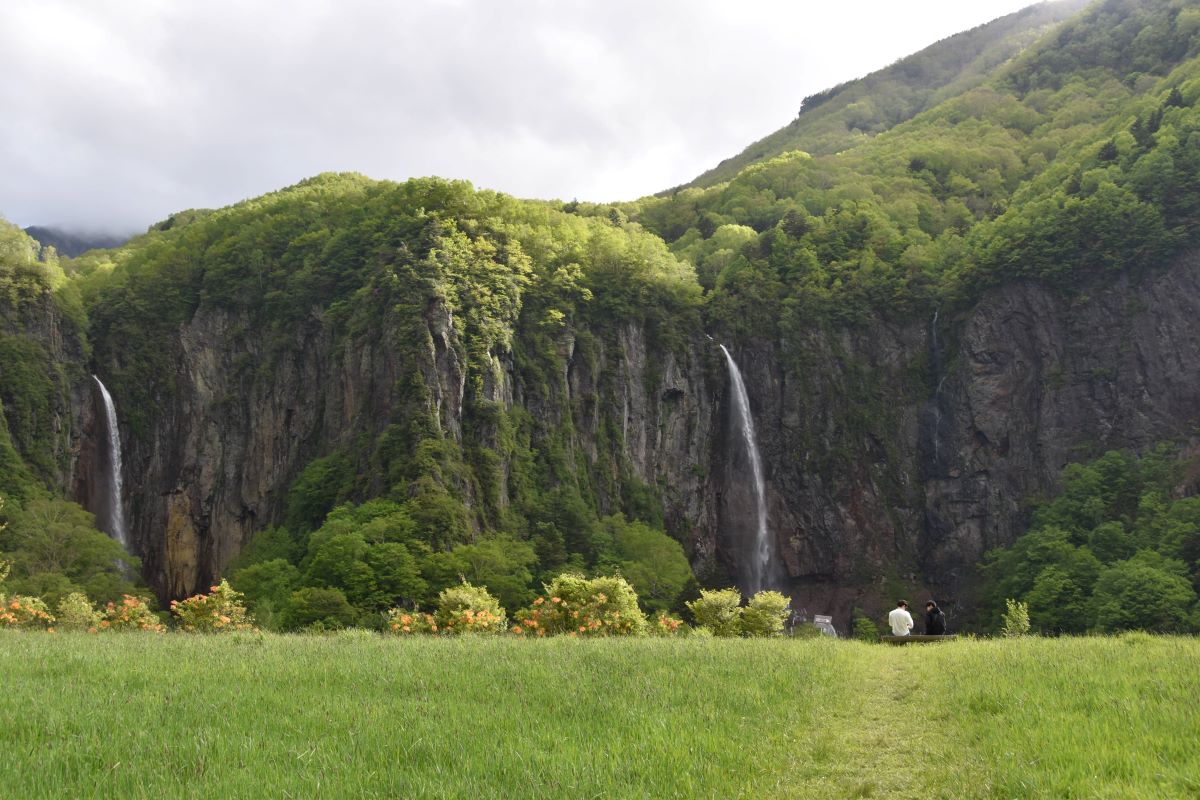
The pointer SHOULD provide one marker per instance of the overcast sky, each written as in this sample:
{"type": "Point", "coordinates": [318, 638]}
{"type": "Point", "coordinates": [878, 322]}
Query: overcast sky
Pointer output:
{"type": "Point", "coordinates": [114, 113]}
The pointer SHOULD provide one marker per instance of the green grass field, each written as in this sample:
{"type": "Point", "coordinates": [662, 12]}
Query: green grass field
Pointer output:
{"type": "Point", "coordinates": [177, 716]}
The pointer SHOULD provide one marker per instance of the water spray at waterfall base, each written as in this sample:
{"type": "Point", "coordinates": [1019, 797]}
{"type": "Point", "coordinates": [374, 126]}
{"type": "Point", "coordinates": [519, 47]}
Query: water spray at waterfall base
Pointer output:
{"type": "Point", "coordinates": [757, 571]}
{"type": "Point", "coordinates": [115, 522]}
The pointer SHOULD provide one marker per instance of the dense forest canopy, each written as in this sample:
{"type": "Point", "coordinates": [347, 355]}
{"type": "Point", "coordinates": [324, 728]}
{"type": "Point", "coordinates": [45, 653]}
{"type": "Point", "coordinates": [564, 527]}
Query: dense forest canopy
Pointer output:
{"type": "Point", "coordinates": [1027, 150]}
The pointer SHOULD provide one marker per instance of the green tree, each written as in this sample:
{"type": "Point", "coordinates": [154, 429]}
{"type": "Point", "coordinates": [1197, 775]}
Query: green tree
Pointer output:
{"type": "Point", "coordinates": [1146, 592]}
{"type": "Point", "coordinates": [652, 561]}
{"type": "Point", "coordinates": [56, 549]}
{"type": "Point", "coordinates": [311, 606]}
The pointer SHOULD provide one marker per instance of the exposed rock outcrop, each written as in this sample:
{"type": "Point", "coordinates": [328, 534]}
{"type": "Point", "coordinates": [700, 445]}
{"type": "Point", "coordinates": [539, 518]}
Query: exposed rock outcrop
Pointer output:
{"type": "Point", "coordinates": [895, 454]}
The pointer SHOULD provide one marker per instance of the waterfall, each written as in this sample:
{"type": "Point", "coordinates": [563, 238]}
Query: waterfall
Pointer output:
{"type": "Point", "coordinates": [757, 570]}
{"type": "Point", "coordinates": [935, 352]}
{"type": "Point", "coordinates": [116, 510]}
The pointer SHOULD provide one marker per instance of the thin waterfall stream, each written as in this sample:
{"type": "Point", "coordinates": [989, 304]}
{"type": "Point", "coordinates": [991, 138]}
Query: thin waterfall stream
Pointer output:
{"type": "Point", "coordinates": [758, 564]}
{"type": "Point", "coordinates": [116, 510]}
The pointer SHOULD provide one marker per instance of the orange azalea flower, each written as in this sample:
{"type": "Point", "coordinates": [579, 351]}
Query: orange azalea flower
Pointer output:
{"type": "Point", "coordinates": [539, 601]}
{"type": "Point", "coordinates": [555, 599]}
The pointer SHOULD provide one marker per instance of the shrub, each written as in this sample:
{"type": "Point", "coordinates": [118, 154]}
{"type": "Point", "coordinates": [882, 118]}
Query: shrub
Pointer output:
{"type": "Point", "coordinates": [665, 624]}
{"type": "Point", "coordinates": [220, 611]}
{"type": "Point", "coordinates": [865, 629]}
{"type": "Point", "coordinates": [1016, 619]}
{"type": "Point", "coordinates": [131, 614]}
{"type": "Point", "coordinates": [718, 610]}
{"type": "Point", "coordinates": [469, 609]}
{"type": "Point", "coordinates": [312, 606]}
{"type": "Point", "coordinates": [806, 630]}
{"type": "Point", "coordinates": [20, 611]}
{"type": "Point", "coordinates": [76, 613]}
{"type": "Point", "coordinates": [579, 606]}
{"type": "Point", "coordinates": [404, 622]}
{"type": "Point", "coordinates": [765, 614]}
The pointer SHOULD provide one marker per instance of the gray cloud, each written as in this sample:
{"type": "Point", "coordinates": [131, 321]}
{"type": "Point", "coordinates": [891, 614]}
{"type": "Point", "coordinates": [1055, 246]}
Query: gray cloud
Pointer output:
{"type": "Point", "coordinates": [118, 112]}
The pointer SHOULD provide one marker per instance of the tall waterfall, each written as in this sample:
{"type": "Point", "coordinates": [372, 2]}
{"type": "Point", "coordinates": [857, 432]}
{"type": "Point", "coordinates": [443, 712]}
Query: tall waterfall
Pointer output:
{"type": "Point", "coordinates": [757, 572]}
{"type": "Point", "coordinates": [116, 510]}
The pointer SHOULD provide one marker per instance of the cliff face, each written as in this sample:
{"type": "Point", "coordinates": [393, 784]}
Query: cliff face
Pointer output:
{"type": "Point", "coordinates": [899, 455]}
{"type": "Point", "coordinates": [246, 418]}
{"type": "Point", "coordinates": [49, 408]}
{"type": "Point", "coordinates": [895, 455]}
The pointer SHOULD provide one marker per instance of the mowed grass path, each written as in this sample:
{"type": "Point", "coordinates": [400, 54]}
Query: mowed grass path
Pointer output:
{"type": "Point", "coordinates": [144, 716]}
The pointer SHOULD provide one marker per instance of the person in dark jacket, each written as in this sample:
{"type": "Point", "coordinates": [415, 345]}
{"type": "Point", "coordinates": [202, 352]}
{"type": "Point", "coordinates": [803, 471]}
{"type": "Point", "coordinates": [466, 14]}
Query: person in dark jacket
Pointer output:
{"type": "Point", "coordinates": [935, 620]}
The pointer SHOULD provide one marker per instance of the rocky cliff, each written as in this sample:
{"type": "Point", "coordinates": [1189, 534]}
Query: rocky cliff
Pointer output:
{"type": "Point", "coordinates": [46, 395]}
{"type": "Point", "coordinates": [895, 454]}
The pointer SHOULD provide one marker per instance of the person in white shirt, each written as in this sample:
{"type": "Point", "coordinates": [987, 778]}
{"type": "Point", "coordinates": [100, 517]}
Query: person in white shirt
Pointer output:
{"type": "Point", "coordinates": [900, 620]}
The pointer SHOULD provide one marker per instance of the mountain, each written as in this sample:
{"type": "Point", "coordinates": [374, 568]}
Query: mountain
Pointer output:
{"type": "Point", "coordinates": [71, 244]}
{"type": "Point", "coordinates": [834, 119]}
{"type": "Point", "coordinates": [372, 388]}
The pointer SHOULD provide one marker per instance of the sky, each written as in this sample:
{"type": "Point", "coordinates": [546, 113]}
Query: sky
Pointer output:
{"type": "Point", "coordinates": [115, 113]}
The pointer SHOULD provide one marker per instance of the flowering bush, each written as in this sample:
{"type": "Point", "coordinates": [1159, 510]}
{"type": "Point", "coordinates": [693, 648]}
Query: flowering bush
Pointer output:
{"type": "Point", "coordinates": [765, 614]}
{"type": "Point", "coordinates": [19, 611]}
{"type": "Point", "coordinates": [666, 625]}
{"type": "Point", "coordinates": [131, 614]}
{"type": "Point", "coordinates": [75, 613]}
{"type": "Point", "coordinates": [469, 609]}
{"type": "Point", "coordinates": [579, 606]}
{"type": "Point", "coordinates": [404, 622]}
{"type": "Point", "coordinates": [219, 611]}
{"type": "Point", "coordinates": [719, 611]}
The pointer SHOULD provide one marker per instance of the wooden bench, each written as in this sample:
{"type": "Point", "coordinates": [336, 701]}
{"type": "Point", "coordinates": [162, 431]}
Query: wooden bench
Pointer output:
{"type": "Point", "coordinates": [918, 638]}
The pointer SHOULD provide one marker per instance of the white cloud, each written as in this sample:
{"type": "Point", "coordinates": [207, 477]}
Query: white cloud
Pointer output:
{"type": "Point", "coordinates": [119, 112]}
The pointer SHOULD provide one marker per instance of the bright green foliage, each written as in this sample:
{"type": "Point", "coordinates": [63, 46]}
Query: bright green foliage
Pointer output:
{"type": "Point", "coordinates": [765, 614]}
{"type": "Point", "coordinates": [650, 560]}
{"type": "Point", "coordinates": [469, 609]}
{"type": "Point", "coordinates": [267, 587]}
{"type": "Point", "coordinates": [719, 611]}
{"type": "Point", "coordinates": [865, 629]}
{"type": "Point", "coordinates": [1113, 551]}
{"type": "Point", "coordinates": [311, 607]}
{"type": "Point", "coordinates": [56, 550]}
{"type": "Point", "coordinates": [501, 564]}
{"type": "Point", "coordinates": [577, 606]}
{"type": "Point", "coordinates": [1146, 592]}
{"type": "Point", "coordinates": [76, 613]}
{"type": "Point", "coordinates": [219, 611]}
{"type": "Point", "coordinates": [1016, 619]}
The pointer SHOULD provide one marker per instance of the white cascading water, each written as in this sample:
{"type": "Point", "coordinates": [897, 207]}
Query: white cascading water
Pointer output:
{"type": "Point", "coordinates": [759, 563]}
{"type": "Point", "coordinates": [115, 508]}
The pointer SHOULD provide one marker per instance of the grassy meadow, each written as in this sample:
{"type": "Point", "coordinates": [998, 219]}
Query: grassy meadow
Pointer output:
{"type": "Point", "coordinates": [250, 715]}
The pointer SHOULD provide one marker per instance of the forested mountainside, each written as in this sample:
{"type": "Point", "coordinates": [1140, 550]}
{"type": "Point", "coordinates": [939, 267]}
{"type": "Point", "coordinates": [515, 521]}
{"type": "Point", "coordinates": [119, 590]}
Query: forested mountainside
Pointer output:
{"type": "Point", "coordinates": [845, 115]}
{"type": "Point", "coordinates": [369, 388]}
{"type": "Point", "coordinates": [70, 243]}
